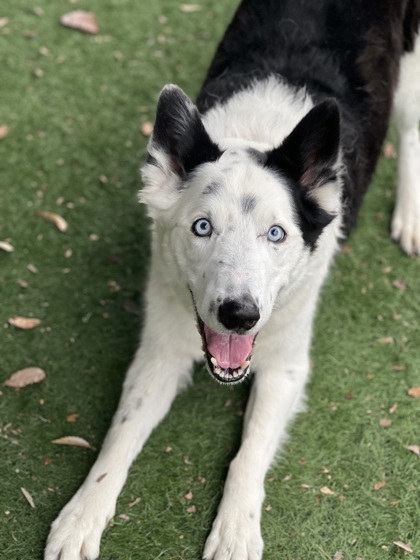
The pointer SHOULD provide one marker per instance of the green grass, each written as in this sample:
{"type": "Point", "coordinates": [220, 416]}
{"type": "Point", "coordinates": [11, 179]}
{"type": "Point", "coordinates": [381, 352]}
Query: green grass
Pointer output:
{"type": "Point", "coordinates": [80, 121]}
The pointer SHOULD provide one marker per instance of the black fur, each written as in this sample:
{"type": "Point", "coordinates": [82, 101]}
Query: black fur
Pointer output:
{"type": "Point", "coordinates": [346, 49]}
{"type": "Point", "coordinates": [180, 132]}
{"type": "Point", "coordinates": [307, 159]}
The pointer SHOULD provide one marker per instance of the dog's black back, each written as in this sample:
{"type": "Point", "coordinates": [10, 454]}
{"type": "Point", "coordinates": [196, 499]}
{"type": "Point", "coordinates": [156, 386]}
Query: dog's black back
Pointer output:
{"type": "Point", "coordinates": [346, 49]}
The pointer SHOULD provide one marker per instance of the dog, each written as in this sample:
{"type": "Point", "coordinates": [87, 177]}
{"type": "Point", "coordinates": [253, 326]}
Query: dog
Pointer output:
{"type": "Point", "coordinates": [251, 190]}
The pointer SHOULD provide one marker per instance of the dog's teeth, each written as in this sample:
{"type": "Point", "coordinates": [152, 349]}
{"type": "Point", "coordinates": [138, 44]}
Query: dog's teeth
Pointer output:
{"type": "Point", "coordinates": [239, 372]}
{"type": "Point", "coordinates": [245, 364]}
{"type": "Point", "coordinates": [214, 361]}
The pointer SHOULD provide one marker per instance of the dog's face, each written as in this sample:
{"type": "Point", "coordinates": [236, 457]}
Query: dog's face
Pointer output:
{"type": "Point", "coordinates": [238, 220]}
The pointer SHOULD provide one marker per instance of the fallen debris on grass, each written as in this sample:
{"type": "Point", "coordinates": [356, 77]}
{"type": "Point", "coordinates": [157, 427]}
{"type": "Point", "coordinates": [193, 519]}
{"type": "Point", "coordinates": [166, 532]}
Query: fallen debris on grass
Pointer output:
{"type": "Point", "coordinates": [403, 546]}
{"type": "Point", "coordinates": [73, 440]}
{"type": "Point", "coordinates": [4, 131]}
{"type": "Point", "coordinates": [24, 323]}
{"type": "Point", "coordinates": [189, 8]}
{"type": "Point", "coordinates": [414, 449]}
{"type": "Point", "coordinates": [81, 21]}
{"type": "Point", "coordinates": [414, 392]}
{"type": "Point", "coordinates": [59, 222]}
{"type": "Point", "coordinates": [28, 497]}
{"type": "Point", "coordinates": [26, 376]}
{"type": "Point", "coordinates": [7, 247]}
{"type": "Point", "coordinates": [326, 491]}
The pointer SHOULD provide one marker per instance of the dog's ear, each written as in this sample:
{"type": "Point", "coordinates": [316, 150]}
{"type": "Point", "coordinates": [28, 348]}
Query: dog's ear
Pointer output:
{"type": "Point", "coordinates": [310, 156]}
{"type": "Point", "coordinates": [178, 145]}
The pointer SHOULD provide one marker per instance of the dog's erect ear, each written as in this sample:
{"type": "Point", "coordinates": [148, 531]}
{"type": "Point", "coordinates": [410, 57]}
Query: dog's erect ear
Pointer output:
{"type": "Point", "coordinates": [310, 157]}
{"type": "Point", "coordinates": [310, 151]}
{"type": "Point", "coordinates": [180, 133]}
{"type": "Point", "coordinates": [178, 145]}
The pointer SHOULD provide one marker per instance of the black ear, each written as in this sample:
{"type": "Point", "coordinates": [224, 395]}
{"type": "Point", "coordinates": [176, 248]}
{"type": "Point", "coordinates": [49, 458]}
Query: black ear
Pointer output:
{"type": "Point", "coordinates": [310, 152]}
{"type": "Point", "coordinates": [180, 133]}
{"type": "Point", "coordinates": [308, 157]}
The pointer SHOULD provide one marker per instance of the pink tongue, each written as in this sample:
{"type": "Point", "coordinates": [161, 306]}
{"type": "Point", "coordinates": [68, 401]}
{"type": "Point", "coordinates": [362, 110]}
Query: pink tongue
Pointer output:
{"type": "Point", "coordinates": [230, 350]}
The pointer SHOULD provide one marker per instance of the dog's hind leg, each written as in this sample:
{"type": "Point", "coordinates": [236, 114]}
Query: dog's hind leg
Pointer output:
{"type": "Point", "coordinates": [161, 367]}
{"type": "Point", "coordinates": [405, 227]}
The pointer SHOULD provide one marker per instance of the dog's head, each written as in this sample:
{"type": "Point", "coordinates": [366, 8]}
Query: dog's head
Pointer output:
{"type": "Point", "coordinates": [238, 220]}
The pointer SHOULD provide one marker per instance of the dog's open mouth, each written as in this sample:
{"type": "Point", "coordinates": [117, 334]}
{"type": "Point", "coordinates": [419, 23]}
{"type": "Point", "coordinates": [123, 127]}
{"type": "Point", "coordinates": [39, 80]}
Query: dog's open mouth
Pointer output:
{"type": "Point", "coordinates": [228, 356]}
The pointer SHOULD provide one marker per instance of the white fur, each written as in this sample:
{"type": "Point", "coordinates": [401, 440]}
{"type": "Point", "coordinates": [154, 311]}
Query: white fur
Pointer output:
{"type": "Point", "coordinates": [405, 226]}
{"type": "Point", "coordinates": [265, 113]}
{"type": "Point", "coordinates": [285, 281]}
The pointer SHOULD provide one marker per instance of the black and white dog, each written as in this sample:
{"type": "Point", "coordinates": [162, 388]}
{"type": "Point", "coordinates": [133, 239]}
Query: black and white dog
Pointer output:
{"type": "Point", "coordinates": [251, 191]}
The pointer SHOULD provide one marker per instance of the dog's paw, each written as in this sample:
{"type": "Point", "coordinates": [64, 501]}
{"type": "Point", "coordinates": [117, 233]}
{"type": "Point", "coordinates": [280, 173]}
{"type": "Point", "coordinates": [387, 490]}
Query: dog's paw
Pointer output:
{"type": "Point", "coordinates": [235, 535]}
{"type": "Point", "coordinates": [77, 531]}
{"type": "Point", "coordinates": [405, 227]}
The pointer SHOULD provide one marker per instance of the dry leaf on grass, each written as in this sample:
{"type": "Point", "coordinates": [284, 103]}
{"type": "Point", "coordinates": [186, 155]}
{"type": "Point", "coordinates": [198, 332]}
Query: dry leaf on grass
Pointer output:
{"type": "Point", "coordinates": [23, 377]}
{"type": "Point", "coordinates": [379, 485]}
{"type": "Point", "coordinates": [385, 422]}
{"type": "Point", "coordinates": [28, 497]}
{"type": "Point", "coordinates": [134, 502]}
{"type": "Point", "coordinates": [146, 128]}
{"type": "Point", "coordinates": [5, 246]}
{"type": "Point", "coordinates": [80, 20]}
{"type": "Point", "coordinates": [3, 22]}
{"type": "Point", "coordinates": [386, 340]}
{"type": "Point", "coordinates": [414, 449]}
{"type": "Point", "coordinates": [24, 323]}
{"type": "Point", "coordinates": [191, 509]}
{"type": "Point", "coordinates": [403, 546]}
{"type": "Point", "coordinates": [389, 151]}
{"type": "Point", "coordinates": [414, 392]}
{"type": "Point", "coordinates": [72, 417]}
{"type": "Point", "coordinates": [399, 284]}
{"type": "Point", "coordinates": [73, 440]}
{"type": "Point", "coordinates": [59, 222]}
{"type": "Point", "coordinates": [4, 131]}
{"type": "Point", "coordinates": [190, 8]}
{"type": "Point", "coordinates": [325, 490]}
{"type": "Point", "coordinates": [113, 286]}
{"type": "Point", "coordinates": [32, 268]}
{"type": "Point", "coordinates": [339, 555]}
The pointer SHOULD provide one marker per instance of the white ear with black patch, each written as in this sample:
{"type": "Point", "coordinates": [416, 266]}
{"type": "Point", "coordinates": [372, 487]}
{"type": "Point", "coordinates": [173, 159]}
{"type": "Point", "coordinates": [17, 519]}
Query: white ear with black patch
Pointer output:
{"type": "Point", "coordinates": [178, 145]}
{"type": "Point", "coordinates": [310, 157]}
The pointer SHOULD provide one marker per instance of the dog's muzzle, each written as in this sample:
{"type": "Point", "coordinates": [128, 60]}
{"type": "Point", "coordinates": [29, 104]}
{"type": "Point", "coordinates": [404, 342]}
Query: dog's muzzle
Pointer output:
{"type": "Point", "coordinates": [228, 356]}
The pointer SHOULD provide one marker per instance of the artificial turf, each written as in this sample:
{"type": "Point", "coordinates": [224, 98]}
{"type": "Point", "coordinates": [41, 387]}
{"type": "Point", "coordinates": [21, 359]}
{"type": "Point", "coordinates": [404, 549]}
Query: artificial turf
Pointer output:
{"type": "Point", "coordinates": [74, 104]}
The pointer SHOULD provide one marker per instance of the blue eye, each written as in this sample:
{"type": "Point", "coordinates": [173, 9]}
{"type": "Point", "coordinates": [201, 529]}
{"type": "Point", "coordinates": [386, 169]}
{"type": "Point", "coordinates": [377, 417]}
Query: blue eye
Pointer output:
{"type": "Point", "coordinates": [202, 228]}
{"type": "Point", "coordinates": [276, 234]}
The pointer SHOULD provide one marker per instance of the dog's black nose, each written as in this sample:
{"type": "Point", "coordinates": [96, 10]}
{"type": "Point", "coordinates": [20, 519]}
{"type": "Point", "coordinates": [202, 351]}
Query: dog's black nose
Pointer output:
{"type": "Point", "coordinates": [241, 314]}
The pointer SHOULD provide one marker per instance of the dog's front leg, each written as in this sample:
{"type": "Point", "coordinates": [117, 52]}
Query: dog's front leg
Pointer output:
{"type": "Point", "coordinates": [275, 397]}
{"type": "Point", "coordinates": [405, 227]}
{"type": "Point", "coordinates": [169, 344]}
